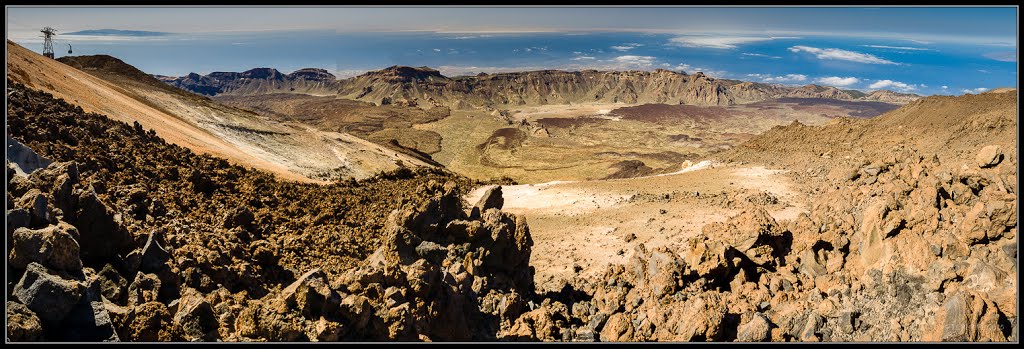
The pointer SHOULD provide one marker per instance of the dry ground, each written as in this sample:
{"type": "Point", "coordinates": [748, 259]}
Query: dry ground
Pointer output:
{"type": "Point", "coordinates": [591, 224]}
{"type": "Point", "coordinates": [537, 144]}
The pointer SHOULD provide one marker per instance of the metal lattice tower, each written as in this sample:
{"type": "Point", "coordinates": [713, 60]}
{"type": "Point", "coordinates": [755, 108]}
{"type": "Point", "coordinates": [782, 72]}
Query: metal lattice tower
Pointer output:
{"type": "Point", "coordinates": [48, 34]}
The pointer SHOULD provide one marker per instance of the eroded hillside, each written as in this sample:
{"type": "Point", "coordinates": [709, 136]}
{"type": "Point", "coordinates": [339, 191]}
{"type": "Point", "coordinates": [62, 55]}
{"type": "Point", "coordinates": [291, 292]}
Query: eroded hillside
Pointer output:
{"type": "Point", "coordinates": [384, 125]}
{"type": "Point", "coordinates": [291, 150]}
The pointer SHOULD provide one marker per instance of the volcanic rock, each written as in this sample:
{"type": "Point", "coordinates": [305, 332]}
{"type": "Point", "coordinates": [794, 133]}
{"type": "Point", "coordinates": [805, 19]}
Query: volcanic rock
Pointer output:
{"type": "Point", "coordinates": [195, 317]}
{"type": "Point", "coordinates": [54, 246]}
{"type": "Point", "coordinates": [754, 330]}
{"type": "Point", "coordinates": [22, 324]}
{"type": "Point", "coordinates": [989, 156]}
{"type": "Point", "coordinates": [48, 294]}
{"type": "Point", "coordinates": [491, 199]}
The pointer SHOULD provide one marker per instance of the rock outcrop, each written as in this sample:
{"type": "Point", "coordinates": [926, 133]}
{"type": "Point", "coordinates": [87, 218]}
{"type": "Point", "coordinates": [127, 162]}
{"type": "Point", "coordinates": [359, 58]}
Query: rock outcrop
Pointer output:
{"type": "Point", "coordinates": [890, 97]}
{"type": "Point", "coordinates": [437, 276]}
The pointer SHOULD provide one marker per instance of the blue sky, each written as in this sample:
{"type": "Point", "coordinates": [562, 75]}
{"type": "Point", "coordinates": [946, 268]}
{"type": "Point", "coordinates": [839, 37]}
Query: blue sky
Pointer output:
{"type": "Point", "coordinates": [920, 50]}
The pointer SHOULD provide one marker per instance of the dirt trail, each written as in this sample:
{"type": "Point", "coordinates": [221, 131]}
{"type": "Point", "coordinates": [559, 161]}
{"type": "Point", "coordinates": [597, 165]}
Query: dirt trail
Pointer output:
{"type": "Point", "coordinates": [588, 225]}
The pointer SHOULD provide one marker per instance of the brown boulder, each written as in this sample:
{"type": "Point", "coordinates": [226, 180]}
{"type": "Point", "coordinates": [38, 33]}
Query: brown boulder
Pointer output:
{"type": "Point", "coordinates": [357, 309]}
{"type": "Point", "coordinates": [144, 289]}
{"type": "Point", "coordinates": [35, 202]}
{"type": "Point", "coordinates": [968, 317]}
{"type": "Point", "coordinates": [310, 294]}
{"type": "Point", "coordinates": [656, 271]}
{"type": "Point", "coordinates": [102, 237]}
{"type": "Point", "coordinates": [22, 324]}
{"type": "Point", "coordinates": [618, 328]}
{"type": "Point", "coordinates": [757, 329]}
{"type": "Point", "coordinates": [697, 319]}
{"type": "Point", "coordinates": [195, 317]}
{"type": "Point", "coordinates": [989, 156]}
{"type": "Point", "coordinates": [148, 322]}
{"type": "Point", "coordinates": [491, 199]}
{"type": "Point", "coordinates": [54, 247]}
{"type": "Point", "coordinates": [873, 230]}
{"type": "Point", "coordinates": [112, 285]}
{"type": "Point", "coordinates": [238, 217]}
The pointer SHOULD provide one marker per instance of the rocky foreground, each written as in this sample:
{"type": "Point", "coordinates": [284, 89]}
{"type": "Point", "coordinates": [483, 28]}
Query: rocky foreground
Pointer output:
{"type": "Point", "coordinates": [125, 237]}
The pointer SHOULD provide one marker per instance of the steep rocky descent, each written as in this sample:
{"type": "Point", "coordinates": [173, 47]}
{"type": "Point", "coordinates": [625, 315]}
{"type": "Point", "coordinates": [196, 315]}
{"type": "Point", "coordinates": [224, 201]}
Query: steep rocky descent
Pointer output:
{"type": "Point", "coordinates": [427, 87]}
{"type": "Point", "coordinates": [154, 184]}
{"type": "Point", "coordinates": [127, 237]}
{"type": "Point", "coordinates": [292, 151]}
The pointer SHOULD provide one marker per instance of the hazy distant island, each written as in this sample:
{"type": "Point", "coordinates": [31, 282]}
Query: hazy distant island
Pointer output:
{"type": "Point", "coordinates": [117, 32]}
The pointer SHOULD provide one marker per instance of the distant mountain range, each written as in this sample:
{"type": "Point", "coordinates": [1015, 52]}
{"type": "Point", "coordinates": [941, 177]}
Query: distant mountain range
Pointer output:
{"type": "Point", "coordinates": [117, 32]}
{"type": "Point", "coordinates": [423, 85]}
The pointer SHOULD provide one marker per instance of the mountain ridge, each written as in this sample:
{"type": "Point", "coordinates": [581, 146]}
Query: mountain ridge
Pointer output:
{"type": "Point", "coordinates": [428, 87]}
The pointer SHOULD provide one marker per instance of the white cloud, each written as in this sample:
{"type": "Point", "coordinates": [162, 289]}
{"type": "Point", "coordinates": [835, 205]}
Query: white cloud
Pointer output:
{"type": "Point", "coordinates": [620, 63]}
{"type": "Point", "coordinates": [838, 81]}
{"type": "Point", "coordinates": [635, 60]}
{"type": "Point", "coordinates": [922, 42]}
{"type": "Point", "coordinates": [721, 42]}
{"type": "Point", "coordinates": [984, 71]}
{"type": "Point", "coordinates": [626, 47]}
{"type": "Point", "coordinates": [707, 71]}
{"type": "Point", "coordinates": [893, 85]}
{"type": "Point", "coordinates": [532, 48]}
{"type": "Point", "coordinates": [944, 87]}
{"type": "Point", "coordinates": [347, 73]}
{"type": "Point", "coordinates": [471, 37]}
{"type": "Point", "coordinates": [577, 52]}
{"type": "Point", "coordinates": [437, 50]}
{"type": "Point", "coordinates": [783, 79]}
{"type": "Point", "coordinates": [760, 55]}
{"type": "Point", "coordinates": [974, 90]}
{"type": "Point", "coordinates": [842, 55]}
{"type": "Point", "coordinates": [903, 48]}
{"type": "Point", "coordinates": [787, 78]}
{"type": "Point", "coordinates": [1002, 56]}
